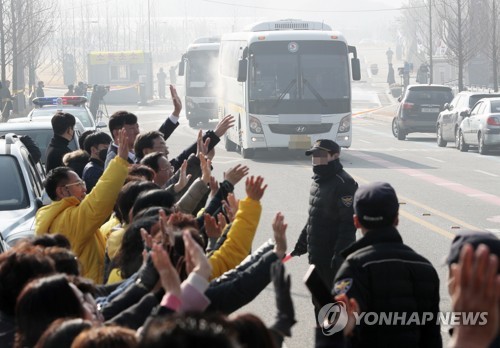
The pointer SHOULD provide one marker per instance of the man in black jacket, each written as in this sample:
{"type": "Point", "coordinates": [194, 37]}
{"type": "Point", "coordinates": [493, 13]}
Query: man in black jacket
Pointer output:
{"type": "Point", "coordinates": [63, 125]}
{"type": "Point", "coordinates": [329, 228]}
{"type": "Point", "coordinates": [383, 275]}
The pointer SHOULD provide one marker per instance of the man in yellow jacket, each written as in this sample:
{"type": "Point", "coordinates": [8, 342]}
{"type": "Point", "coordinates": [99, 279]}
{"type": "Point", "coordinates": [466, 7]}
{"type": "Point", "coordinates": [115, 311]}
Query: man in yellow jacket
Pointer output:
{"type": "Point", "coordinates": [77, 215]}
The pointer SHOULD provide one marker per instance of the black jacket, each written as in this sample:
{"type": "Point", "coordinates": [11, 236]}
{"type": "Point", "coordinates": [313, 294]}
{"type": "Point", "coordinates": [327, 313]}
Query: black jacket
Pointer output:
{"type": "Point", "coordinates": [92, 172]}
{"type": "Point", "coordinates": [56, 150]}
{"type": "Point", "coordinates": [385, 275]}
{"type": "Point", "coordinates": [330, 227]}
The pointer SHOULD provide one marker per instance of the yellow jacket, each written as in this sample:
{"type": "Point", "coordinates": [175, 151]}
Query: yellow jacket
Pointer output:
{"type": "Point", "coordinates": [239, 238]}
{"type": "Point", "coordinates": [80, 221]}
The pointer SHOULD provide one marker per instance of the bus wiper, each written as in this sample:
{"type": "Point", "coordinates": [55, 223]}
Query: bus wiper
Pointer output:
{"type": "Point", "coordinates": [282, 94]}
{"type": "Point", "coordinates": [315, 93]}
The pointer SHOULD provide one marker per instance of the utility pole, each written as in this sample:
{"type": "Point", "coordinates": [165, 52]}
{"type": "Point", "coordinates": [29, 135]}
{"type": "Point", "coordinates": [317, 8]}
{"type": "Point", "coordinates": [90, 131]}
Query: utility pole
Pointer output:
{"type": "Point", "coordinates": [149, 26]}
{"type": "Point", "coordinates": [430, 43]}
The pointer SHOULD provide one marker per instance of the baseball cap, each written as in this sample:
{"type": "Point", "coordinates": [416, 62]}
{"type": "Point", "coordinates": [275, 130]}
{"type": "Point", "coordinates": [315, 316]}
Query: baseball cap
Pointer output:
{"type": "Point", "coordinates": [324, 144]}
{"type": "Point", "coordinates": [376, 205]}
{"type": "Point", "coordinates": [474, 238]}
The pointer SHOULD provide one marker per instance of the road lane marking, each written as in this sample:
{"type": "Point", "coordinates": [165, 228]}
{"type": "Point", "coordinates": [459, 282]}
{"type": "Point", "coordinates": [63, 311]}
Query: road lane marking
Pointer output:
{"type": "Point", "coordinates": [365, 141]}
{"type": "Point", "coordinates": [486, 173]}
{"type": "Point", "coordinates": [427, 224]}
{"type": "Point", "coordinates": [435, 159]}
{"type": "Point", "coordinates": [435, 180]}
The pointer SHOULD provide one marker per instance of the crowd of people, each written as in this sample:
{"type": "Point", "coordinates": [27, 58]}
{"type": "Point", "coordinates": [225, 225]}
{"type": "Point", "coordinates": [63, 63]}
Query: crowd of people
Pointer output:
{"type": "Point", "coordinates": [139, 248]}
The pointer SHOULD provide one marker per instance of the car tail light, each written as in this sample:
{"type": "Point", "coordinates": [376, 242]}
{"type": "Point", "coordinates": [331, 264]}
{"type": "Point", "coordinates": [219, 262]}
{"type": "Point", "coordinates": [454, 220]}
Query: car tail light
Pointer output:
{"type": "Point", "coordinates": [493, 121]}
{"type": "Point", "coordinates": [408, 106]}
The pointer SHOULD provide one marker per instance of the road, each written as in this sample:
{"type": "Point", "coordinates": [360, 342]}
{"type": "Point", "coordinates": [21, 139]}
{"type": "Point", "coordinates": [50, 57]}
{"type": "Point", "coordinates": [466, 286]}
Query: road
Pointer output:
{"type": "Point", "coordinates": [441, 191]}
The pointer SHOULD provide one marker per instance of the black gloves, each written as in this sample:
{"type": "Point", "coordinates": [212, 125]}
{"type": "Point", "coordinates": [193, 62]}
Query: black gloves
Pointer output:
{"type": "Point", "coordinates": [148, 275]}
{"type": "Point", "coordinates": [285, 318]}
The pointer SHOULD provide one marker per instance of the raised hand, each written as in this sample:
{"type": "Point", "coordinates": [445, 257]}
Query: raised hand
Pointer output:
{"type": "Point", "coordinates": [123, 144]}
{"type": "Point", "coordinates": [166, 229]}
{"type": "Point", "coordinates": [254, 187]}
{"type": "Point", "coordinates": [234, 175]}
{"type": "Point", "coordinates": [183, 178]}
{"type": "Point", "coordinates": [196, 260]}
{"type": "Point", "coordinates": [224, 124]}
{"type": "Point", "coordinates": [176, 100]}
{"type": "Point", "coordinates": [279, 228]}
{"type": "Point", "coordinates": [206, 168]}
{"type": "Point", "coordinates": [474, 288]}
{"type": "Point", "coordinates": [231, 206]}
{"type": "Point", "coordinates": [202, 146]}
{"type": "Point", "coordinates": [213, 227]}
{"type": "Point", "coordinates": [169, 278]}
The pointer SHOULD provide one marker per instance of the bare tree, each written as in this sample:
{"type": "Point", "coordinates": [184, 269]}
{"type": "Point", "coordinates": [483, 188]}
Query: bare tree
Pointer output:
{"type": "Point", "coordinates": [493, 47]}
{"type": "Point", "coordinates": [456, 31]}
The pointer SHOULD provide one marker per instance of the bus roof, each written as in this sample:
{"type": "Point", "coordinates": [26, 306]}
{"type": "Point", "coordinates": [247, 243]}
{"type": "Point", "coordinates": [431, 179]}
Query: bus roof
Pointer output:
{"type": "Point", "coordinates": [285, 35]}
{"type": "Point", "coordinates": [288, 24]}
{"type": "Point", "coordinates": [213, 46]}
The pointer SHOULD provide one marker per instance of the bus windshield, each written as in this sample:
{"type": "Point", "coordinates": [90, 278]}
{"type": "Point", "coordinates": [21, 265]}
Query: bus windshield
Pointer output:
{"type": "Point", "coordinates": [293, 77]}
{"type": "Point", "coordinates": [201, 76]}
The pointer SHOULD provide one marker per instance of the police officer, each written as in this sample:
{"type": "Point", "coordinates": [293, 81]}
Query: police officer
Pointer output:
{"type": "Point", "coordinates": [329, 227]}
{"type": "Point", "coordinates": [383, 275]}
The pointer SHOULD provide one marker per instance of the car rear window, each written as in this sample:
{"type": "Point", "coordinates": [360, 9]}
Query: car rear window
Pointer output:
{"type": "Point", "coordinates": [475, 98]}
{"type": "Point", "coordinates": [495, 106]}
{"type": "Point", "coordinates": [13, 193]}
{"type": "Point", "coordinates": [81, 114]}
{"type": "Point", "coordinates": [429, 96]}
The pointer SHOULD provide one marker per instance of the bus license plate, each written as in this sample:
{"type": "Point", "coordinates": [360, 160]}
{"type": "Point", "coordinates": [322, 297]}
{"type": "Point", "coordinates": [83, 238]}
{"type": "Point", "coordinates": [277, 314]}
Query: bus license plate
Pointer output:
{"type": "Point", "coordinates": [299, 142]}
{"type": "Point", "coordinates": [430, 109]}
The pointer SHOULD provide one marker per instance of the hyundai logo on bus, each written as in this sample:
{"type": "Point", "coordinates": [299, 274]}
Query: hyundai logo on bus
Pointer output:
{"type": "Point", "coordinates": [300, 129]}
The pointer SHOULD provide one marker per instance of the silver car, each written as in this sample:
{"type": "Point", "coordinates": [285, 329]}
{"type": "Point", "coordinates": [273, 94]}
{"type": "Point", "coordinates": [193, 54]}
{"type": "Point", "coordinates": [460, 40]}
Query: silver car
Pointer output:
{"type": "Point", "coordinates": [21, 190]}
{"type": "Point", "coordinates": [481, 127]}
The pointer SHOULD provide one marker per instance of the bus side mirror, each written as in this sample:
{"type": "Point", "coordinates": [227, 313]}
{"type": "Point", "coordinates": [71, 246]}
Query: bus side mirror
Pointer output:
{"type": "Point", "coordinates": [242, 70]}
{"type": "Point", "coordinates": [181, 67]}
{"type": "Point", "coordinates": [356, 70]}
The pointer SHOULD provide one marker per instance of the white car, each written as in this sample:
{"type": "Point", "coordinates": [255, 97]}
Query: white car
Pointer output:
{"type": "Point", "coordinates": [48, 106]}
{"type": "Point", "coordinates": [481, 127]}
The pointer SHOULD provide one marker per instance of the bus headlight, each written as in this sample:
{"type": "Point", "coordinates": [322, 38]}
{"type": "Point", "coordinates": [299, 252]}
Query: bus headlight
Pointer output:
{"type": "Point", "coordinates": [255, 126]}
{"type": "Point", "coordinates": [190, 104]}
{"type": "Point", "coordinates": [345, 124]}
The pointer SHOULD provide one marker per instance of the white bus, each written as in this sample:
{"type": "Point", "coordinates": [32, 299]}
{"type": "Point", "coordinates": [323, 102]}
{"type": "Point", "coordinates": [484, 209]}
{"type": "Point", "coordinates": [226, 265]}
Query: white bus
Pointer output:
{"type": "Point", "coordinates": [200, 65]}
{"type": "Point", "coordinates": [288, 84]}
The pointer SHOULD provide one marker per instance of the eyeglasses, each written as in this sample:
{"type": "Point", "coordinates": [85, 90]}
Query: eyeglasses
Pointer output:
{"type": "Point", "coordinates": [79, 183]}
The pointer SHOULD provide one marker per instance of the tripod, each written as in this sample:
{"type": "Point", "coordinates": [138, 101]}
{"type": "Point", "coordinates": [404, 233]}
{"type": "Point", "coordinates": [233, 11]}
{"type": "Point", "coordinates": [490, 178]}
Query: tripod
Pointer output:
{"type": "Point", "coordinates": [102, 110]}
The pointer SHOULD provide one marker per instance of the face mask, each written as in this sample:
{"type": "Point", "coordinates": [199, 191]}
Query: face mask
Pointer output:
{"type": "Point", "coordinates": [320, 169]}
{"type": "Point", "coordinates": [102, 154]}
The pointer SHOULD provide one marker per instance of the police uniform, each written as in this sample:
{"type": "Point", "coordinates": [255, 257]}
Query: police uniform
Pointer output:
{"type": "Point", "coordinates": [329, 227]}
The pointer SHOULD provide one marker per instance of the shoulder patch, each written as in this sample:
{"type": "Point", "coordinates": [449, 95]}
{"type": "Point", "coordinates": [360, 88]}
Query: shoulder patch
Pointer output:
{"type": "Point", "coordinates": [347, 201]}
{"type": "Point", "coordinates": [342, 286]}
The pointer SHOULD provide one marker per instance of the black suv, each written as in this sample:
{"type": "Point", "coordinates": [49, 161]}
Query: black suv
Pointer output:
{"type": "Point", "coordinates": [451, 117]}
{"type": "Point", "coordinates": [419, 108]}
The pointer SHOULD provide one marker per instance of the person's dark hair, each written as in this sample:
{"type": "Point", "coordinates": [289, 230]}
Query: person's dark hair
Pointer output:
{"type": "Point", "coordinates": [151, 160]}
{"type": "Point", "coordinates": [127, 196]}
{"type": "Point", "coordinates": [152, 198]}
{"type": "Point", "coordinates": [83, 137]}
{"type": "Point", "coordinates": [121, 118]}
{"type": "Point", "coordinates": [145, 141]}
{"type": "Point", "coordinates": [106, 336]}
{"type": "Point", "coordinates": [129, 257]}
{"type": "Point", "coordinates": [64, 259]}
{"type": "Point", "coordinates": [76, 160]}
{"type": "Point", "coordinates": [152, 212]}
{"type": "Point", "coordinates": [61, 121]}
{"type": "Point", "coordinates": [185, 331]}
{"type": "Point", "coordinates": [62, 332]}
{"type": "Point", "coordinates": [95, 139]}
{"type": "Point", "coordinates": [251, 331]}
{"type": "Point", "coordinates": [42, 301]}
{"type": "Point", "coordinates": [51, 240]}
{"type": "Point", "coordinates": [18, 266]}
{"type": "Point", "coordinates": [55, 178]}
{"type": "Point", "coordinates": [141, 170]}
